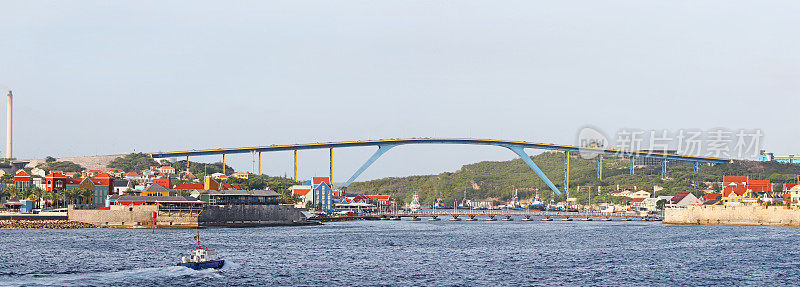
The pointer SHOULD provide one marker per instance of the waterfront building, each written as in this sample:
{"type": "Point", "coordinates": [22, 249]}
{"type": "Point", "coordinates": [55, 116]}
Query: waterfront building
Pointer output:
{"type": "Point", "coordinates": [304, 192]}
{"type": "Point", "coordinates": [322, 193]}
{"type": "Point", "coordinates": [22, 180]}
{"type": "Point", "coordinates": [635, 203]}
{"type": "Point", "coordinates": [161, 201]}
{"type": "Point", "coordinates": [738, 190]}
{"type": "Point", "coordinates": [382, 201]}
{"type": "Point", "coordinates": [55, 181]}
{"type": "Point", "coordinates": [157, 190]}
{"type": "Point", "coordinates": [794, 195]}
{"type": "Point", "coordinates": [239, 197]}
{"type": "Point", "coordinates": [684, 199]}
{"type": "Point", "coordinates": [649, 204]}
{"type": "Point", "coordinates": [712, 198]}
{"type": "Point", "coordinates": [318, 191]}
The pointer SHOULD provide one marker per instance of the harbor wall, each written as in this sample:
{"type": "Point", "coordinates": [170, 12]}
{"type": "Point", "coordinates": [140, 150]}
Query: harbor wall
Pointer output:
{"type": "Point", "coordinates": [235, 216]}
{"type": "Point", "coordinates": [251, 215]}
{"type": "Point", "coordinates": [733, 215]}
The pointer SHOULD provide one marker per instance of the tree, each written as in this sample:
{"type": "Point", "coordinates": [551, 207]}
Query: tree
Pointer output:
{"type": "Point", "coordinates": [133, 162]}
{"type": "Point", "coordinates": [65, 166]}
{"type": "Point", "coordinates": [183, 192]}
{"type": "Point", "coordinates": [660, 204]}
{"type": "Point", "coordinates": [49, 159]}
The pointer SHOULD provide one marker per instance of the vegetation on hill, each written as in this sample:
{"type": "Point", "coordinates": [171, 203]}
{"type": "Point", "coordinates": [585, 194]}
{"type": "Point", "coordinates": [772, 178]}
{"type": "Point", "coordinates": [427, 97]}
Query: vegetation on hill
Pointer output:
{"type": "Point", "coordinates": [65, 166]}
{"type": "Point", "coordinates": [135, 162]}
{"type": "Point", "coordinates": [496, 180]}
{"type": "Point", "coordinates": [200, 168]}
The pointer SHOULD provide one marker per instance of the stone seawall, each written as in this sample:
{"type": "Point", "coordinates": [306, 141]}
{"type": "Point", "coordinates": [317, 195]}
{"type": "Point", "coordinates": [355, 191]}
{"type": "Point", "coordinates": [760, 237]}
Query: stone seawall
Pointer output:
{"type": "Point", "coordinates": [132, 216]}
{"type": "Point", "coordinates": [733, 215]}
{"type": "Point", "coordinates": [236, 215]}
{"type": "Point", "coordinates": [251, 215]}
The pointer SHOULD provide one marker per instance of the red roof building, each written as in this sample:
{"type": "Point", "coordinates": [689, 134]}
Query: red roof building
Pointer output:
{"type": "Point", "coordinates": [189, 186]}
{"type": "Point", "coordinates": [383, 200]}
{"type": "Point", "coordinates": [301, 191]}
{"type": "Point", "coordinates": [55, 181]}
{"type": "Point", "coordinates": [320, 179]}
{"type": "Point", "coordinates": [165, 182]}
{"type": "Point", "coordinates": [636, 202]}
{"type": "Point", "coordinates": [22, 180]}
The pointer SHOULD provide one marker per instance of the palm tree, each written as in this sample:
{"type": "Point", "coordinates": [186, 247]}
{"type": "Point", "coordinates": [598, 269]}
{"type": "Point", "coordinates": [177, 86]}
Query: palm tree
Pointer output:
{"type": "Point", "coordinates": [87, 195]}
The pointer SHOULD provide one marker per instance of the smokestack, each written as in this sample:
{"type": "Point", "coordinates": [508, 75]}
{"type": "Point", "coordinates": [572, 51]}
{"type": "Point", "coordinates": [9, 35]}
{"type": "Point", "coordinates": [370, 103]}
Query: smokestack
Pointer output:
{"type": "Point", "coordinates": [8, 127]}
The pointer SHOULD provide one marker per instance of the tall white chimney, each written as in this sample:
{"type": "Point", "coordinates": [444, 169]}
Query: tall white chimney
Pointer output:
{"type": "Point", "coordinates": [8, 127]}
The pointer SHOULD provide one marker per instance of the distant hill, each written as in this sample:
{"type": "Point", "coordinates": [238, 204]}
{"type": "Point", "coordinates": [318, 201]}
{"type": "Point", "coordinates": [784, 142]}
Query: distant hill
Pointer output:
{"type": "Point", "coordinates": [497, 179]}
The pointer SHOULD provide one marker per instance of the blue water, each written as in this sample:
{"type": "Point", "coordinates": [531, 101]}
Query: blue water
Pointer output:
{"type": "Point", "coordinates": [402, 253]}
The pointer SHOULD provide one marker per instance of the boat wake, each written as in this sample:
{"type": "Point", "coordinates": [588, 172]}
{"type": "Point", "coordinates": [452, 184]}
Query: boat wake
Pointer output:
{"type": "Point", "coordinates": [158, 274]}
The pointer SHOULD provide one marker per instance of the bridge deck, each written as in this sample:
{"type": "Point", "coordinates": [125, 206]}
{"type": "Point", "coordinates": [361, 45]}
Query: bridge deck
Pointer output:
{"type": "Point", "coordinates": [523, 144]}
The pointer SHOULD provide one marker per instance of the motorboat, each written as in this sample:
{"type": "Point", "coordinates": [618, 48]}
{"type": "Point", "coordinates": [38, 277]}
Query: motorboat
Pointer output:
{"type": "Point", "coordinates": [202, 258]}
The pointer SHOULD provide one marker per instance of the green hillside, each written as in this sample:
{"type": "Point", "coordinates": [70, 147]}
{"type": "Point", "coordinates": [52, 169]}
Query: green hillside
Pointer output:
{"type": "Point", "coordinates": [496, 179]}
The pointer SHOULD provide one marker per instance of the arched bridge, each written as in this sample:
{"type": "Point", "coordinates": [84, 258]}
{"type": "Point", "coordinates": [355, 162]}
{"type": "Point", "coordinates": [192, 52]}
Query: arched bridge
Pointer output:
{"type": "Point", "coordinates": [385, 145]}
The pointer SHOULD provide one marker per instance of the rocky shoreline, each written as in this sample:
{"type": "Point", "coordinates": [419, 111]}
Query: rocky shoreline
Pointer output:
{"type": "Point", "coordinates": [50, 224]}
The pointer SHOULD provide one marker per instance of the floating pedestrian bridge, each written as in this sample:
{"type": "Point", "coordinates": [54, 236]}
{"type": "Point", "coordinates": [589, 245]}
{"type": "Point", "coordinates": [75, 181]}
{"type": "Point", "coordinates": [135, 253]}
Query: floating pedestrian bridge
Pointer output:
{"type": "Point", "coordinates": [385, 145]}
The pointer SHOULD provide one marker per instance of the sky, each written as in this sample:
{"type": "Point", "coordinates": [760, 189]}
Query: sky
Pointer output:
{"type": "Point", "coordinates": [113, 77]}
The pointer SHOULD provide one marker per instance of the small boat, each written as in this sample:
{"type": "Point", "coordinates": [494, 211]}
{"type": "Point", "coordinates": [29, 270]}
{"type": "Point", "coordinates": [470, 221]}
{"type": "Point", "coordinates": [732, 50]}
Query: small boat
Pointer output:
{"type": "Point", "coordinates": [202, 258]}
{"type": "Point", "coordinates": [415, 206]}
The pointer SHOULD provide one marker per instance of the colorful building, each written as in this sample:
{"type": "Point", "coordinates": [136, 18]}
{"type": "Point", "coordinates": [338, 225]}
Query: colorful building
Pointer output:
{"type": "Point", "coordinates": [740, 189]}
{"type": "Point", "coordinates": [22, 180]}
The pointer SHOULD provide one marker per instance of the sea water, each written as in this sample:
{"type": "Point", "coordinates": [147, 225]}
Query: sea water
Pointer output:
{"type": "Point", "coordinates": [403, 253]}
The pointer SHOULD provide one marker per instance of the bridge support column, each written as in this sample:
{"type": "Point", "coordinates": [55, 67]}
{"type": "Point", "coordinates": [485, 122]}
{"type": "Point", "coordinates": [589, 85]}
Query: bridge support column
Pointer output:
{"type": "Point", "coordinates": [223, 163]}
{"type": "Point", "coordinates": [664, 170]}
{"type": "Point", "coordinates": [471, 217]}
{"type": "Point", "coordinates": [434, 218]}
{"type": "Point", "coordinates": [527, 218]}
{"type": "Point", "coordinates": [295, 165]}
{"type": "Point", "coordinates": [330, 177]}
{"type": "Point", "coordinates": [566, 171]}
{"type": "Point", "coordinates": [378, 153]}
{"type": "Point", "coordinates": [520, 151]}
{"type": "Point", "coordinates": [633, 162]}
{"type": "Point", "coordinates": [491, 218]}
{"type": "Point", "coordinates": [508, 218]}
{"type": "Point", "coordinates": [600, 166]}
{"type": "Point", "coordinates": [455, 218]}
{"type": "Point", "coordinates": [259, 163]}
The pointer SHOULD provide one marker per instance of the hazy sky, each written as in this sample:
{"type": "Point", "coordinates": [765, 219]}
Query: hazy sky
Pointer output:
{"type": "Point", "coordinates": [107, 77]}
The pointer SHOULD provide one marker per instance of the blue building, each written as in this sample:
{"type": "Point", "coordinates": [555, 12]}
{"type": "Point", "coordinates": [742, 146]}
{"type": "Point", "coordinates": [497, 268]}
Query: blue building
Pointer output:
{"type": "Point", "coordinates": [322, 193]}
{"type": "Point", "coordinates": [768, 156]}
